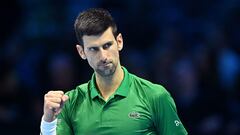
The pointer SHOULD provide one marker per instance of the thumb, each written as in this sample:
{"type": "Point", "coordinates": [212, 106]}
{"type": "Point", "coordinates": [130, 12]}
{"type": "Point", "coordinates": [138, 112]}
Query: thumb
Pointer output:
{"type": "Point", "coordinates": [64, 98]}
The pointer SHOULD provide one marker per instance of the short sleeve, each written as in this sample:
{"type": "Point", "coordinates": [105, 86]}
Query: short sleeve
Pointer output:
{"type": "Point", "coordinates": [64, 124]}
{"type": "Point", "coordinates": [165, 115]}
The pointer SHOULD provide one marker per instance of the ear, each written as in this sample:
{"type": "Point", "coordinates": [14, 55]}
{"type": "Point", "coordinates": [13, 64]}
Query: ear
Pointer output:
{"type": "Point", "coordinates": [119, 41]}
{"type": "Point", "coordinates": [80, 50]}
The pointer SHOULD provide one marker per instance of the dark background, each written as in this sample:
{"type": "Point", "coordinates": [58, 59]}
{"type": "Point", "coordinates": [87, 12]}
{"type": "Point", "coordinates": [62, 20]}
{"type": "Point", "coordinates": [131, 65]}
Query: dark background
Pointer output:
{"type": "Point", "coordinates": [190, 47]}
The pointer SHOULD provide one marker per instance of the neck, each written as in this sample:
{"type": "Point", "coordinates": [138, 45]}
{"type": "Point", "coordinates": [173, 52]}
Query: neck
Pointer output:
{"type": "Point", "coordinates": [108, 85]}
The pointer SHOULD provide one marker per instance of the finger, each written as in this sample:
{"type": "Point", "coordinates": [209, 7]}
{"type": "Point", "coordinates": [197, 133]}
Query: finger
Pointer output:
{"type": "Point", "coordinates": [56, 92]}
{"type": "Point", "coordinates": [51, 105]}
{"type": "Point", "coordinates": [64, 98]}
{"type": "Point", "coordinates": [53, 94]}
{"type": "Point", "coordinates": [54, 99]}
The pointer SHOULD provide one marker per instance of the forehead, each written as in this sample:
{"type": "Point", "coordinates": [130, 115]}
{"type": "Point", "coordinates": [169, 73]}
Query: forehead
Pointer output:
{"type": "Point", "coordinates": [97, 40]}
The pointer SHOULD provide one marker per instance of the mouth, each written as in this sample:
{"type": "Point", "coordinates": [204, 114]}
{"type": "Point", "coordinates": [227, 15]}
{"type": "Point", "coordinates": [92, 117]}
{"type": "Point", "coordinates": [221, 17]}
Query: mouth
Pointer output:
{"type": "Point", "coordinates": [105, 64]}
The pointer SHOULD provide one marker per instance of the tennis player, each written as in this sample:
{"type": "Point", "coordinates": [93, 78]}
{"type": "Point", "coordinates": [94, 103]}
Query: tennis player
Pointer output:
{"type": "Point", "coordinates": [114, 101]}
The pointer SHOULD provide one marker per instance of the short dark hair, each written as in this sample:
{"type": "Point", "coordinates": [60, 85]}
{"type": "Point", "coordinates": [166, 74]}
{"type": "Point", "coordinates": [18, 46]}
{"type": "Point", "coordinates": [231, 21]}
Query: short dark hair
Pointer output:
{"type": "Point", "coordinates": [93, 21]}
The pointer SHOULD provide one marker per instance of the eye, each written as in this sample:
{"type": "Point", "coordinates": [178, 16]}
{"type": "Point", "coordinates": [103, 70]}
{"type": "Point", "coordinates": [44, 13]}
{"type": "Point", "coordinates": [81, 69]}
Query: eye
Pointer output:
{"type": "Point", "coordinates": [93, 49]}
{"type": "Point", "coordinates": [107, 45]}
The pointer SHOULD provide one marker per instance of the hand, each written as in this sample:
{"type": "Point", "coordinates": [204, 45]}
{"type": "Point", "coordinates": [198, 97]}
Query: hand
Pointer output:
{"type": "Point", "coordinates": [53, 103]}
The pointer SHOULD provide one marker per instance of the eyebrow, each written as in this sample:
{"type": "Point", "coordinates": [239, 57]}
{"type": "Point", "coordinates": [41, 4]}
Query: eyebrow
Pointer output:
{"type": "Point", "coordinates": [96, 46]}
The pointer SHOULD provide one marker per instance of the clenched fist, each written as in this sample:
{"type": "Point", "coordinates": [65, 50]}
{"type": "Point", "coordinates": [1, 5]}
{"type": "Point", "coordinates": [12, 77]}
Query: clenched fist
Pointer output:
{"type": "Point", "coordinates": [53, 103]}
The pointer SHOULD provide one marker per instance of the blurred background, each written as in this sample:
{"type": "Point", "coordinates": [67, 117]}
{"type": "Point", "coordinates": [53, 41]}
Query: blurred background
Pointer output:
{"type": "Point", "coordinates": [190, 47]}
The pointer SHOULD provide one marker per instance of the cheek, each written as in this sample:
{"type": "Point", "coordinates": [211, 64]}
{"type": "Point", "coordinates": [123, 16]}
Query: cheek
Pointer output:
{"type": "Point", "coordinates": [92, 61]}
{"type": "Point", "coordinates": [116, 54]}
{"type": "Point", "coordinates": [89, 61]}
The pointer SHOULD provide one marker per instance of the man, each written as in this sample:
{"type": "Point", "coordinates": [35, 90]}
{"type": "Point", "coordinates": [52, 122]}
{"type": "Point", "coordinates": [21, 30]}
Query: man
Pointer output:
{"type": "Point", "coordinates": [114, 101]}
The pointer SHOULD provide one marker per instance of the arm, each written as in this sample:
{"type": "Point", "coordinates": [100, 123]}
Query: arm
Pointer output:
{"type": "Point", "coordinates": [48, 128]}
{"type": "Point", "coordinates": [53, 103]}
{"type": "Point", "coordinates": [165, 115]}
{"type": "Point", "coordinates": [58, 126]}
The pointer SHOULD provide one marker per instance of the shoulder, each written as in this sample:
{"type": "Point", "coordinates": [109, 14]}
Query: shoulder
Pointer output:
{"type": "Point", "coordinates": [76, 97]}
{"type": "Point", "coordinates": [80, 89]}
{"type": "Point", "coordinates": [151, 89]}
{"type": "Point", "coordinates": [77, 94]}
{"type": "Point", "coordinates": [155, 94]}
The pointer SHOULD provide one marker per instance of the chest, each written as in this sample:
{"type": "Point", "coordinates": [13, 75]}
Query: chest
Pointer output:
{"type": "Point", "coordinates": [117, 116]}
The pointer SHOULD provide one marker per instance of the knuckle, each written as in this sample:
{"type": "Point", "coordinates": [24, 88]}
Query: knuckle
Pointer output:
{"type": "Point", "coordinates": [46, 95]}
{"type": "Point", "coordinates": [47, 103]}
{"type": "Point", "coordinates": [57, 105]}
{"type": "Point", "coordinates": [49, 92]}
{"type": "Point", "coordinates": [58, 100]}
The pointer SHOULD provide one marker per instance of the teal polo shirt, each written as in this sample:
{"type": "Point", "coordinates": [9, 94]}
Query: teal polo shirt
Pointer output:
{"type": "Point", "coordinates": [138, 107]}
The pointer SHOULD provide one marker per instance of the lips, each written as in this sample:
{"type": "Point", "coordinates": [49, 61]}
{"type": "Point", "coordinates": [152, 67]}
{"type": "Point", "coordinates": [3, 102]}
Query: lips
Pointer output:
{"type": "Point", "coordinates": [104, 64]}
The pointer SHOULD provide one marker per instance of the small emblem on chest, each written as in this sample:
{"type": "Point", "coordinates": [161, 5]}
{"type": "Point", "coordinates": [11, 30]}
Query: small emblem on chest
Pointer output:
{"type": "Point", "coordinates": [134, 115]}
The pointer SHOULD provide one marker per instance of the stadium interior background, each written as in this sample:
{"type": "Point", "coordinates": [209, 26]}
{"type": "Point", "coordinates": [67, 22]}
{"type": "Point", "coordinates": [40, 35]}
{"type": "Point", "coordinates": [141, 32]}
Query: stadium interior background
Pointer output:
{"type": "Point", "coordinates": [190, 47]}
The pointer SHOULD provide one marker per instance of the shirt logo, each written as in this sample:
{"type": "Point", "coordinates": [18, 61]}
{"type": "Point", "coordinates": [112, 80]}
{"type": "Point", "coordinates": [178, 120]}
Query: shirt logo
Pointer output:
{"type": "Point", "coordinates": [177, 123]}
{"type": "Point", "coordinates": [134, 115]}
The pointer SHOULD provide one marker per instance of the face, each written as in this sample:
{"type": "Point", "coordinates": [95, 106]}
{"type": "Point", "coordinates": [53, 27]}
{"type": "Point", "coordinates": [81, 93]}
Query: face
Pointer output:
{"type": "Point", "coordinates": [102, 52]}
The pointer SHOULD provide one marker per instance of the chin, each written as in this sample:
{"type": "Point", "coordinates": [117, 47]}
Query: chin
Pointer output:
{"type": "Point", "coordinates": [106, 72]}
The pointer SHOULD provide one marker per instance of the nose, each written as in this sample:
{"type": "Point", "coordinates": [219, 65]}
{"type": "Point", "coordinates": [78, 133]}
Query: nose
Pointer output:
{"type": "Point", "coordinates": [103, 54]}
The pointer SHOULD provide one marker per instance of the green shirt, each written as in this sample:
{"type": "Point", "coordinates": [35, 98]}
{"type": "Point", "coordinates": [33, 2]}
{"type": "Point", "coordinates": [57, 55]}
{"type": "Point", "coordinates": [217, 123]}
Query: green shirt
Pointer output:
{"type": "Point", "coordinates": [138, 107]}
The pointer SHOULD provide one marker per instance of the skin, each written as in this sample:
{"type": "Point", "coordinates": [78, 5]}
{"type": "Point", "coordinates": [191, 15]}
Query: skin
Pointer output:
{"type": "Point", "coordinates": [102, 53]}
{"type": "Point", "coordinates": [53, 102]}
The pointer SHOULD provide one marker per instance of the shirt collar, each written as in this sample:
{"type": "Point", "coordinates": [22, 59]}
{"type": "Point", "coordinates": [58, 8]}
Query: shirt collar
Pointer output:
{"type": "Point", "coordinates": [122, 90]}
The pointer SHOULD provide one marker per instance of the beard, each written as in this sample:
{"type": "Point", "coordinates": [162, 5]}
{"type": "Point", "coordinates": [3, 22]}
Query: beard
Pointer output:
{"type": "Point", "coordinates": [106, 69]}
